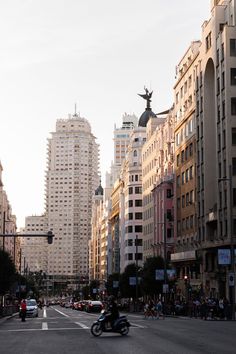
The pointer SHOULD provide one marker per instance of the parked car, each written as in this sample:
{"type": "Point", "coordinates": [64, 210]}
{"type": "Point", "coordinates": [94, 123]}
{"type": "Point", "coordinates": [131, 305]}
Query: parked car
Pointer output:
{"type": "Point", "coordinates": [94, 306]}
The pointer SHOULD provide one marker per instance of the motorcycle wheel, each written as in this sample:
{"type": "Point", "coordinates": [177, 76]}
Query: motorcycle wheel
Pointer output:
{"type": "Point", "coordinates": [96, 330]}
{"type": "Point", "coordinates": [124, 330]}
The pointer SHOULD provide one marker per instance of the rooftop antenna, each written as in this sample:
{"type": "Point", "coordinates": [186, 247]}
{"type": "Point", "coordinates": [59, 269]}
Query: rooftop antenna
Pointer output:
{"type": "Point", "coordinates": [75, 110]}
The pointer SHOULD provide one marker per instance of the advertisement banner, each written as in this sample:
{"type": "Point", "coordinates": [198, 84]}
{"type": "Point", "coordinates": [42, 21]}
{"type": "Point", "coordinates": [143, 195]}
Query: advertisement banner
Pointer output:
{"type": "Point", "coordinates": [159, 274]}
{"type": "Point", "coordinates": [224, 256]}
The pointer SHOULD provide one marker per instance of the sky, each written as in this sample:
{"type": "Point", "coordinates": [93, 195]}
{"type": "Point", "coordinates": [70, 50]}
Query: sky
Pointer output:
{"type": "Point", "coordinates": [96, 54]}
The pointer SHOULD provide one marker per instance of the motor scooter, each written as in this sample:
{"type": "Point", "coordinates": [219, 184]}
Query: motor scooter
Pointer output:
{"type": "Point", "coordinates": [121, 325]}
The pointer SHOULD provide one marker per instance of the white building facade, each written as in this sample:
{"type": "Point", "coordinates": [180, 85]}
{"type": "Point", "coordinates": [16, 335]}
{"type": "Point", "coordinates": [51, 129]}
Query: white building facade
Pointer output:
{"type": "Point", "coordinates": [71, 179]}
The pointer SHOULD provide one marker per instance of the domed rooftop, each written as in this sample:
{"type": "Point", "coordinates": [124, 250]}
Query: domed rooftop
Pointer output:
{"type": "Point", "coordinates": [148, 111]}
{"type": "Point", "coordinates": [145, 117]}
{"type": "Point", "coordinates": [99, 190]}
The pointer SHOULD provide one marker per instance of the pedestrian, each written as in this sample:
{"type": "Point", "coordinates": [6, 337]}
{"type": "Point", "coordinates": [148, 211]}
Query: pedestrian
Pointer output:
{"type": "Point", "coordinates": [23, 310]}
{"type": "Point", "coordinates": [159, 309]}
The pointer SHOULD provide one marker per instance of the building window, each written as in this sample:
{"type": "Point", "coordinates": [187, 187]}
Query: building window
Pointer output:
{"type": "Point", "coordinates": [218, 85]}
{"type": "Point", "coordinates": [186, 153]}
{"type": "Point", "coordinates": [130, 256]}
{"type": "Point", "coordinates": [135, 153]}
{"type": "Point", "coordinates": [168, 215]}
{"type": "Point", "coordinates": [138, 190]}
{"type": "Point", "coordinates": [129, 229]}
{"type": "Point", "coordinates": [178, 181]}
{"type": "Point", "coordinates": [233, 47]}
{"type": "Point", "coordinates": [130, 190]}
{"type": "Point", "coordinates": [168, 193]}
{"type": "Point", "coordinates": [178, 203]}
{"type": "Point", "coordinates": [177, 160]}
{"type": "Point", "coordinates": [169, 233]}
{"type": "Point", "coordinates": [233, 106]}
{"type": "Point", "coordinates": [208, 42]}
{"type": "Point", "coordinates": [234, 196]}
{"type": "Point", "coordinates": [223, 80]}
{"type": "Point", "coordinates": [217, 57]}
{"type": "Point", "coordinates": [234, 166]}
{"type": "Point", "coordinates": [191, 149]}
{"type": "Point", "coordinates": [183, 201]}
{"type": "Point", "coordinates": [130, 203]}
{"type": "Point", "coordinates": [222, 51]}
{"type": "Point", "coordinates": [138, 202]}
{"type": "Point", "coordinates": [138, 216]}
{"type": "Point", "coordinates": [182, 177]}
{"type": "Point", "coordinates": [182, 156]}
{"type": "Point", "coordinates": [233, 76]}
{"type": "Point", "coordinates": [138, 256]}
{"type": "Point", "coordinates": [130, 216]}
{"type": "Point", "coordinates": [138, 228]}
{"type": "Point", "coordinates": [233, 136]}
{"type": "Point", "coordinates": [138, 242]}
{"type": "Point", "coordinates": [130, 242]}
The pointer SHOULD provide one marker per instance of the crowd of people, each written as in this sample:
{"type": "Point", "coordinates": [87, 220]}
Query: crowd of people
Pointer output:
{"type": "Point", "coordinates": [204, 308]}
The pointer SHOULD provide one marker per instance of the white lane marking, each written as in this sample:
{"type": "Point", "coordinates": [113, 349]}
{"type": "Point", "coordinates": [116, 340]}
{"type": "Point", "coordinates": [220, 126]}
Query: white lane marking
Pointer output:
{"type": "Point", "coordinates": [44, 326]}
{"type": "Point", "coordinates": [82, 325]}
{"type": "Point", "coordinates": [62, 313]}
{"type": "Point", "coordinates": [44, 313]}
{"type": "Point", "coordinates": [136, 325]}
{"type": "Point", "coordinates": [40, 329]}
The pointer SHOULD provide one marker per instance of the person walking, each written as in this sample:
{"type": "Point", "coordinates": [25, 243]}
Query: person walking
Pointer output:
{"type": "Point", "coordinates": [23, 310]}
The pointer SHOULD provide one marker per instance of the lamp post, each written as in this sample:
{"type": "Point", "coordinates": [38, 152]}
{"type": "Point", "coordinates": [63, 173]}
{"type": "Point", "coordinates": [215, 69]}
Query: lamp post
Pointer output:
{"type": "Point", "coordinates": [136, 272]}
{"type": "Point", "coordinates": [231, 284]}
{"type": "Point", "coordinates": [165, 286]}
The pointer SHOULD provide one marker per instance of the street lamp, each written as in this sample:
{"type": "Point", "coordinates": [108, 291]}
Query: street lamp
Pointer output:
{"type": "Point", "coordinates": [231, 284]}
{"type": "Point", "coordinates": [136, 272]}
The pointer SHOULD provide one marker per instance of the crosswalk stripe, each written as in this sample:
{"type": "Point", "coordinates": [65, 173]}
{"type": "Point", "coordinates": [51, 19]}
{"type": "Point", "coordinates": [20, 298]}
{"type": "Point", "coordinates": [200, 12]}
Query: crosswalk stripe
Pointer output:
{"type": "Point", "coordinates": [62, 313]}
{"type": "Point", "coordinates": [82, 325]}
{"type": "Point", "coordinates": [44, 326]}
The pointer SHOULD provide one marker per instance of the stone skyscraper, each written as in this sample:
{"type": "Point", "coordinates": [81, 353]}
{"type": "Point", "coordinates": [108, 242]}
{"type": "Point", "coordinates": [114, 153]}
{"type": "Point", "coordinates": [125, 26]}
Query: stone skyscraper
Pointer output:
{"type": "Point", "coordinates": [71, 179]}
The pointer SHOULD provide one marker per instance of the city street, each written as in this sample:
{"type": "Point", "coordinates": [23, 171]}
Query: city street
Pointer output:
{"type": "Point", "coordinates": [65, 331]}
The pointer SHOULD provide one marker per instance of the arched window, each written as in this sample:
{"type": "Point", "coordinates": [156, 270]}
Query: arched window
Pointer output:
{"type": "Point", "coordinates": [135, 153]}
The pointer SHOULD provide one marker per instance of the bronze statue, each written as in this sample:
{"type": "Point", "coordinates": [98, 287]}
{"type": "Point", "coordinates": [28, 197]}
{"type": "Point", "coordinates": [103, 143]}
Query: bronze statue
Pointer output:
{"type": "Point", "coordinates": [147, 96]}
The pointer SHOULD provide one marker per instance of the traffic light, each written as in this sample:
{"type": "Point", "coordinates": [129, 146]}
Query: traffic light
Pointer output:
{"type": "Point", "coordinates": [50, 236]}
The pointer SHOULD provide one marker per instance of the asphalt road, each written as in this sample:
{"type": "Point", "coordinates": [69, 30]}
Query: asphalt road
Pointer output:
{"type": "Point", "coordinates": [64, 331]}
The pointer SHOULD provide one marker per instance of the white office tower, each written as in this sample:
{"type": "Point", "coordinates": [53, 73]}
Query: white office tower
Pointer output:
{"type": "Point", "coordinates": [71, 179]}
{"type": "Point", "coordinates": [121, 143]}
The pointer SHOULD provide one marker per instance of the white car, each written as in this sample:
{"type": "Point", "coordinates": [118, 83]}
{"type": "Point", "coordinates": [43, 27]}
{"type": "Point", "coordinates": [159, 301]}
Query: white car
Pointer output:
{"type": "Point", "coordinates": [31, 308]}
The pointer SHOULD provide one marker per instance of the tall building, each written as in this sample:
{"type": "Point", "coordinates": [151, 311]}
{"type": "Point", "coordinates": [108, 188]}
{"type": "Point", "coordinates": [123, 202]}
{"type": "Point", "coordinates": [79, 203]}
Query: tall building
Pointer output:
{"type": "Point", "coordinates": [216, 147]}
{"type": "Point", "coordinates": [8, 225]}
{"type": "Point", "coordinates": [121, 142]}
{"type": "Point", "coordinates": [34, 255]}
{"type": "Point", "coordinates": [149, 163]}
{"type": "Point", "coordinates": [71, 179]}
{"type": "Point", "coordinates": [185, 255]}
{"type": "Point", "coordinates": [163, 190]}
{"type": "Point", "coordinates": [122, 137]}
{"type": "Point", "coordinates": [131, 220]}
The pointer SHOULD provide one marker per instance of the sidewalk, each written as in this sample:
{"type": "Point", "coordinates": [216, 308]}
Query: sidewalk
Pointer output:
{"type": "Point", "coordinates": [5, 318]}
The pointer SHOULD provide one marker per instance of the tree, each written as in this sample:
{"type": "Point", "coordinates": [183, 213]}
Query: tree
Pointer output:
{"type": "Point", "coordinates": [150, 285]}
{"type": "Point", "coordinates": [126, 289]}
{"type": "Point", "coordinates": [111, 290]}
{"type": "Point", "coordinates": [7, 272]}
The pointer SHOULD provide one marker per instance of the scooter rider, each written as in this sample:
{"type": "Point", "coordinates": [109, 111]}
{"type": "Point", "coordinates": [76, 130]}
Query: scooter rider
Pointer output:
{"type": "Point", "coordinates": [113, 311]}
